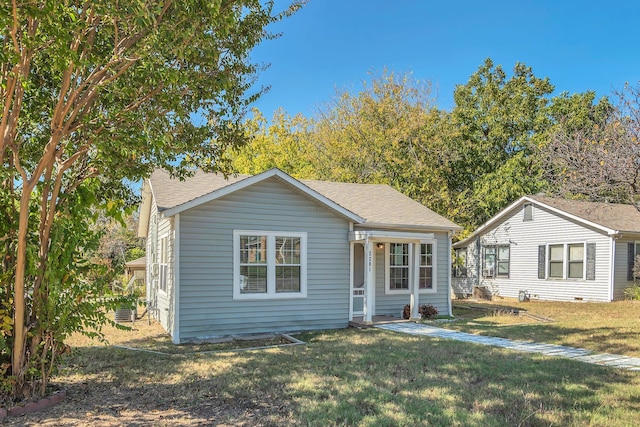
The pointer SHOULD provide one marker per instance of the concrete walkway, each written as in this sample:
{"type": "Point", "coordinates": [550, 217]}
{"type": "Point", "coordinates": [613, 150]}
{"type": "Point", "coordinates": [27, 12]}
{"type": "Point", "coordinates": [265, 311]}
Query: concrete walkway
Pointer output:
{"type": "Point", "coordinates": [583, 355]}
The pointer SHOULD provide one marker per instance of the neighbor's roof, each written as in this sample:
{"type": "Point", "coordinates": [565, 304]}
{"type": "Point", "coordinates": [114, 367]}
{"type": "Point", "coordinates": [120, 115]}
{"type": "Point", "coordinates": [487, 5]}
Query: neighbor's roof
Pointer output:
{"type": "Point", "coordinates": [618, 217]}
{"type": "Point", "coordinates": [610, 218]}
{"type": "Point", "coordinates": [139, 262]}
{"type": "Point", "coordinates": [370, 204]}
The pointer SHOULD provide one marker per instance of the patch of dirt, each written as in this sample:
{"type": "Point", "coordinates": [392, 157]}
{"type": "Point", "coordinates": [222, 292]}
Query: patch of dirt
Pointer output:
{"type": "Point", "coordinates": [107, 385]}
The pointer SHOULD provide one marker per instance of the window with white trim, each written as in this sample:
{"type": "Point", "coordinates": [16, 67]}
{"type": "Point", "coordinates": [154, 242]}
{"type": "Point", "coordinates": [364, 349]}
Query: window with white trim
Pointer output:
{"type": "Point", "coordinates": [575, 259]}
{"type": "Point", "coordinates": [566, 261]}
{"type": "Point", "coordinates": [496, 261]}
{"type": "Point", "coordinates": [425, 280]}
{"type": "Point", "coordinates": [269, 264]}
{"type": "Point", "coordinates": [398, 266]}
{"type": "Point", "coordinates": [163, 263]}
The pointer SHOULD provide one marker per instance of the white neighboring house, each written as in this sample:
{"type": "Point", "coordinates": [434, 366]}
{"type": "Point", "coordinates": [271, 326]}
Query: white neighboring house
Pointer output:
{"type": "Point", "coordinates": [552, 249]}
{"type": "Point", "coordinates": [270, 253]}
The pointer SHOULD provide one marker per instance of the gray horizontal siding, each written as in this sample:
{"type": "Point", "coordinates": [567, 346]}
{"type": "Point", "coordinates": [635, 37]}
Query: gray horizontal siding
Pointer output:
{"type": "Point", "coordinates": [524, 237]}
{"type": "Point", "coordinates": [621, 266]}
{"type": "Point", "coordinates": [207, 308]}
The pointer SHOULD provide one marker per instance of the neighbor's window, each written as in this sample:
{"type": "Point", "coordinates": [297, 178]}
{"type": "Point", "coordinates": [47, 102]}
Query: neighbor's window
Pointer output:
{"type": "Point", "coordinates": [496, 261]}
{"type": "Point", "coordinates": [398, 266]}
{"type": "Point", "coordinates": [489, 261]}
{"type": "Point", "coordinates": [426, 266]}
{"type": "Point", "coordinates": [575, 269]}
{"type": "Point", "coordinates": [269, 264]}
{"type": "Point", "coordinates": [460, 262]}
{"type": "Point", "coordinates": [556, 261]}
{"type": "Point", "coordinates": [503, 260]}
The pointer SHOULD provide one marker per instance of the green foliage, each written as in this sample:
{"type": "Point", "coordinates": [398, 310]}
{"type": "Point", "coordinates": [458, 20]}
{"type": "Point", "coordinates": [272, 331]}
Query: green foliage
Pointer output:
{"type": "Point", "coordinates": [499, 122]}
{"type": "Point", "coordinates": [633, 292]}
{"type": "Point", "coordinates": [95, 94]}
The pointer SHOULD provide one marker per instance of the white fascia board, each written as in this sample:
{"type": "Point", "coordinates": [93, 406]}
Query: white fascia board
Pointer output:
{"type": "Point", "coordinates": [389, 236]}
{"type": "Point", "coordinates": [247, 182]}
{"type": "Point", "coordinates": [379, 225]}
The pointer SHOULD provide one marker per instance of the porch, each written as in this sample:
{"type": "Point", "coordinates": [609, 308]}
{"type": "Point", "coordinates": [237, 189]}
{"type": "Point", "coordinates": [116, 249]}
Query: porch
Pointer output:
{"type": "Point", "coordinates": [390, 272]}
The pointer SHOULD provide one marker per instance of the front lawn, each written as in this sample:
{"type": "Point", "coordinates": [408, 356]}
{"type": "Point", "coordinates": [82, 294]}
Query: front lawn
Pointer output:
{"type": "Point", "coordinates": [344, 377]}
{"type": "Point", "coordinates": [601, 327]}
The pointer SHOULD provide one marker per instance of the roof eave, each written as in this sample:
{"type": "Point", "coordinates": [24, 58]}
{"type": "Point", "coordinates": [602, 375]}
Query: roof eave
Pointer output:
{"type": "Point", "coordinates": [388, 226]}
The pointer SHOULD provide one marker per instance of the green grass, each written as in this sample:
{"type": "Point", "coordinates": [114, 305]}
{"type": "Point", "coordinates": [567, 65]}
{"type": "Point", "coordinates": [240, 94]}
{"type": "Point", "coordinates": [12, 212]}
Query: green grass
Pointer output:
{"type": "Point", "coordinates": [601, 327]}
{"type": "Point", "coordinates": [344, 377]}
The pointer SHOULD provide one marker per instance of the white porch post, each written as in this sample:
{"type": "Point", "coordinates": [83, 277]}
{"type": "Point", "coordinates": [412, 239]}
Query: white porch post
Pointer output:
{"type": "Point", "coordinates": [369, 280]}
{"type": "Point", "coordinates": [415, 282]}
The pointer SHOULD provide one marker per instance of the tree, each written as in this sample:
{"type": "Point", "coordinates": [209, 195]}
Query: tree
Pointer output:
{"type": "Point", "coordinates": [594, 154]}
{"type": "Point", "coordinates": [283, 144]}
{"type": "Point", "coordinates": [387, 133]}
{"type": "Point", "coordinates": [497, 122]}
{"type": "Point", "coordinates": [94, 92]}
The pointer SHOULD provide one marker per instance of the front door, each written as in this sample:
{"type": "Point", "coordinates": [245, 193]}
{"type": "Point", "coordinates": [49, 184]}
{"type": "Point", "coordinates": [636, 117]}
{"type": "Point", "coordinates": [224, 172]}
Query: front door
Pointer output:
{"type": "Point", "coordinates": [357, 295]}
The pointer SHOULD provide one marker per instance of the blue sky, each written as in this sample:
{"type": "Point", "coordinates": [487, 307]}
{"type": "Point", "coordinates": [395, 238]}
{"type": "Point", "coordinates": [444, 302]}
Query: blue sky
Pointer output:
{"type": "Point", "coordinates": [334, 44]}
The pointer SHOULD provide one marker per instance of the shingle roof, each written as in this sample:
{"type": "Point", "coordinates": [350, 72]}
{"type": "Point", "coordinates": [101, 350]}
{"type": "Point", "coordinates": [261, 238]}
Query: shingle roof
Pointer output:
{"type": "Point", "coordinates": [380, 204]}
{"type": "Point", "coordinates": [619, 217]}
{"type": "Point", "coordinates": [171, 192]}
{"type": "Point", "coordinates": [611, 218]}
{"type": "Point", "coordinates": [377, 204]}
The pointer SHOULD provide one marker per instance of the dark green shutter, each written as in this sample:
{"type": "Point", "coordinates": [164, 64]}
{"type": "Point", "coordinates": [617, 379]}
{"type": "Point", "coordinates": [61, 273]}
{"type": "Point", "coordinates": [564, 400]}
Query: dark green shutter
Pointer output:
{"type": "Point", "coordinates": [591, 261]}
{"type": "Point", "coordinates": [542, 261]}
{"type": "Point", "coordinates": [630, 260]}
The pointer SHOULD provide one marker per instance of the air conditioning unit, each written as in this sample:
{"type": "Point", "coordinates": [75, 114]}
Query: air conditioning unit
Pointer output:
{"type": "Point", "coordinates": [488, 272]}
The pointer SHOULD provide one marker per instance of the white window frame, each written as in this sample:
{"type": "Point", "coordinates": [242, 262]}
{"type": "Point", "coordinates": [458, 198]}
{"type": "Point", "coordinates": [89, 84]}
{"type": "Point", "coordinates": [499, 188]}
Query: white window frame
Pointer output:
{"type": "Point", "coordinates": [434, 272]}
{"type": "Point", "coordinates": [271, 265]}
{"type": "Point", "coordinates": [565, 261]}
{"type": "Point", "coordinates": [163, 264]}
{"type": "Point", "coordinates": [387, 269]}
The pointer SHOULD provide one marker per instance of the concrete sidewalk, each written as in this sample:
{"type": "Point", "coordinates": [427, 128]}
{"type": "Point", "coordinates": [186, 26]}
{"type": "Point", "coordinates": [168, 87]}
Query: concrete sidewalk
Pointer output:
{"type": "Point", "coordinates": [580, 354]}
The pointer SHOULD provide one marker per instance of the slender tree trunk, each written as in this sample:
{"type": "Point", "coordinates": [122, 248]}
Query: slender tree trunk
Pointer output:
{"type": "Point", "coordinates": [19, 327]}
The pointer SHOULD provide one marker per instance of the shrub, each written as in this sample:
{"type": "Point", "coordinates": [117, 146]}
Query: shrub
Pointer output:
{"type": "Point", "coordinates": [428, 311]}
{"type": "Point", "coordinates": [633, 292]}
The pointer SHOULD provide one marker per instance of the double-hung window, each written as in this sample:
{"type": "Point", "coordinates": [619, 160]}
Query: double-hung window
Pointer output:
{"type": "Point", "coordinates": [567, 261]}
{"type": "Point", "coordinates": [425, 280]}
{"type": "Point", "coordinates": [575, 260]}
{"type": "Point", "coordinates": [399, 267]}
{"type": "Point", "coordinates": [496, 261]}
{"type": "Point", "coordinates": [269, 264]}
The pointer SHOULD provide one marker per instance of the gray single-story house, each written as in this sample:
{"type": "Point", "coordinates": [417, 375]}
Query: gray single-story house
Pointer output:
{"type": "Point", "coordinates": [270, 253]}
{"type": "Point", "coordinates": [551, 249]}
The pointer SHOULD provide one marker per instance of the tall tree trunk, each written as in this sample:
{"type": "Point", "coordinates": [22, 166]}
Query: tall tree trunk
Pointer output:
{"type": "Point", "coordinates": [19, 327]}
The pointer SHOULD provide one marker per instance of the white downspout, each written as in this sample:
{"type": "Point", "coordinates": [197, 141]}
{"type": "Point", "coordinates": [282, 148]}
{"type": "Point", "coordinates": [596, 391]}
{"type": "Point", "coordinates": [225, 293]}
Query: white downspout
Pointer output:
{"type": "Point", "coordinates": [449, 272]}
{"type": "Point", "coordinates": [176, 281]}
{"type": "Point", "coordinates": [612, 268]}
